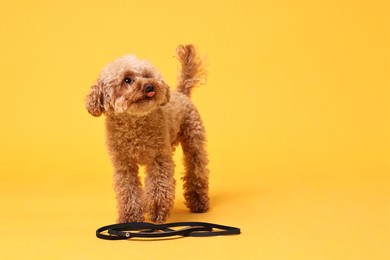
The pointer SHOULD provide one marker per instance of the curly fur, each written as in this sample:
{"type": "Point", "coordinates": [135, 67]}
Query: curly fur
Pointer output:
{"type": "Point", "coordinates": [143, 128]}
{"type": "Point", "coordinates": [192, 72]}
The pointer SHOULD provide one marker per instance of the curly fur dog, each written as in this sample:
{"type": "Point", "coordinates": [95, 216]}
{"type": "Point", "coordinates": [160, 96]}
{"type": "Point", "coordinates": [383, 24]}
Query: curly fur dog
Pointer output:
{"type": "Point", "coordinates": [145, 122]}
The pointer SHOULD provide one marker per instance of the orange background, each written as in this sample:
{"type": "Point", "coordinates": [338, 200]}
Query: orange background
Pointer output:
{"type": "Point", "coordinates": [296, 108]}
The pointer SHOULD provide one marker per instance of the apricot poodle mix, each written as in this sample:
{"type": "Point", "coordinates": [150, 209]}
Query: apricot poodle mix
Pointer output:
{"type": "Point", "coordinates": [145, 122]}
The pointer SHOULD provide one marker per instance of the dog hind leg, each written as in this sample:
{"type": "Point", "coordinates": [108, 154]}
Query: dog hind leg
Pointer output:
{"type": "Point", "coordinates": [196, 176]}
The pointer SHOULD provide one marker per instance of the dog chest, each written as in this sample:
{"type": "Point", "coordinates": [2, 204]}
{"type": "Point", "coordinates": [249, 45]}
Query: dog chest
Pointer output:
{"type": "Point", "coordinates": [141, 140]}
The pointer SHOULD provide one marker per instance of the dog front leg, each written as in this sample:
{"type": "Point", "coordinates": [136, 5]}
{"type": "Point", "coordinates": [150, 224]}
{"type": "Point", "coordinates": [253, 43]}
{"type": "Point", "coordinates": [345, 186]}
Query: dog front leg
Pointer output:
{"type": "Point", "coordinates": [128, 191]}
{"type": "Point", "coordinates": [160, 187]}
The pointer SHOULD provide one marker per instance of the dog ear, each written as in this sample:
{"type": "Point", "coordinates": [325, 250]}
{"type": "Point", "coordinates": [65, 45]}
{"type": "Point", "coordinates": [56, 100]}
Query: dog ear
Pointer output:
{"type": "Point", "coordinates": [95, 100]}
{"type": "Point", "coordinates": [167, 94]}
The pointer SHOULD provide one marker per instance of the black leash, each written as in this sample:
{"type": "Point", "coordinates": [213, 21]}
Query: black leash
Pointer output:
{"type": "Point", "coordinates": [150, 230]}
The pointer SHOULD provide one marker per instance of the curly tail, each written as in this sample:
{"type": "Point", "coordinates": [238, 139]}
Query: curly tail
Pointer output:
{"type": "Point", "coordinates": [192, 72]}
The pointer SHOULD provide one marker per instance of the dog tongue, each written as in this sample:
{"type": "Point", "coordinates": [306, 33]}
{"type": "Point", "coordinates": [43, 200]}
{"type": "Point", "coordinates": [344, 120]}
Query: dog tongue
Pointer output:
{"type": "Point", "coordinates": [151, 94]}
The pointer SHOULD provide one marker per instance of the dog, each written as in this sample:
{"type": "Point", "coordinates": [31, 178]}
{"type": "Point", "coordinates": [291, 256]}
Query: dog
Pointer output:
{"type": "Point", "coordinates": [145, 122]}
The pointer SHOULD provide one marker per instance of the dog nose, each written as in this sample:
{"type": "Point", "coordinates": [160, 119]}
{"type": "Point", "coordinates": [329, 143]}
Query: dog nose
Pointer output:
{"type": "Point", "coordinates": [149, 88]}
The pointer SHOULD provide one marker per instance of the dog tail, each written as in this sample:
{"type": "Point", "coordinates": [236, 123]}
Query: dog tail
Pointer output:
{"type": "Point", "coordinates": [192, 72]}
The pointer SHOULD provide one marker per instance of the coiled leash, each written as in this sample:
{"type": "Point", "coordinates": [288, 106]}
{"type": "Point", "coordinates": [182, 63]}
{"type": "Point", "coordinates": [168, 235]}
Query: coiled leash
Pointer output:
{"type": "Point", "coordinates": [150, 230]}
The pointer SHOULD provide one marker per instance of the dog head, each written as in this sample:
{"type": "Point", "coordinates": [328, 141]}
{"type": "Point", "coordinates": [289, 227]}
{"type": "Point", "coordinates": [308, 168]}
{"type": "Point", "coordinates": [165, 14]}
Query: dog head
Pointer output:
{"type": "Point", "coordinates": [127, 85]}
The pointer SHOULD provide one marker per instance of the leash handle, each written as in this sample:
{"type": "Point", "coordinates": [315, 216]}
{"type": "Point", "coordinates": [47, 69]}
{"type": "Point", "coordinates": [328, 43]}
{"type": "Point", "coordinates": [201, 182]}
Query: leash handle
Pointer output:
{"type": "Point", "coordinates": [150, 230]}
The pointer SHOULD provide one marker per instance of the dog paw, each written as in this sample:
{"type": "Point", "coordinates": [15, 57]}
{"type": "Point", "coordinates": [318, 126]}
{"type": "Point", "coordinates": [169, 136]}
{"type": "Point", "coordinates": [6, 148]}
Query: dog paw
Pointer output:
{"type": "Point", "coordinates": [158, 214]}
{"type": "Point", "coordinates": [125, 218]}
{"type": "Point", "coordinates": [197, 203]}
{"type": "Point", "coordinates": [159, 219]}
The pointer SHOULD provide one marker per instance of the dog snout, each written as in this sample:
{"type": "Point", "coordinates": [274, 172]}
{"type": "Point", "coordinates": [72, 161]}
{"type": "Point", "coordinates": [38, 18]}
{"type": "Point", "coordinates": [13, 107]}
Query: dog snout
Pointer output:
{"type": "Point", "coordinates": [149, 88]}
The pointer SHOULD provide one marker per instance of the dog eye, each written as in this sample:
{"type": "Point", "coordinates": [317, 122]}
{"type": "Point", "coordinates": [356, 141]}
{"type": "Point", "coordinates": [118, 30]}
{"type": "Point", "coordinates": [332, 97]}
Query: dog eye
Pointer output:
{"type": "Point", "coordinates": [128, 80]}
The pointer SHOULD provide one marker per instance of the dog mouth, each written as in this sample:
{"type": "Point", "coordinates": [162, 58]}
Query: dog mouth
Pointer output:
{"type": "Point", "coordinates": [149, 91]}
{"type": "Point", "coordinates": [143, 97]}
{"type": "Point", "coordinates": [148, 95]}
